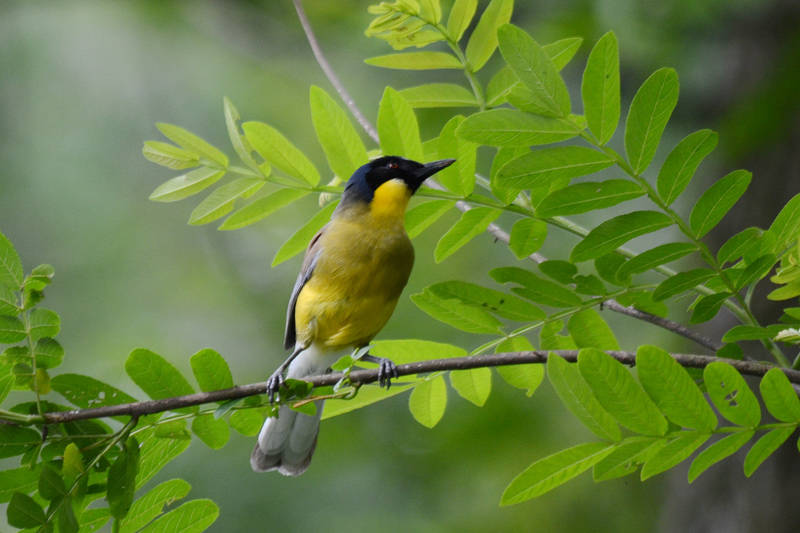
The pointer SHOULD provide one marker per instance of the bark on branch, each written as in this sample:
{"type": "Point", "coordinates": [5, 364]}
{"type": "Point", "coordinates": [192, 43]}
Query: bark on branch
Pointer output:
{"type": "Point", "coordinates": [751, 368]}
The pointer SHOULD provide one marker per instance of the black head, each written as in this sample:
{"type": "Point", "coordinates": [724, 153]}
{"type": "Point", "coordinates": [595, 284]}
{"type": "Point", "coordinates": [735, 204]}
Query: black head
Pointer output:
{"type": "Point", "coordinates": [362, 184]}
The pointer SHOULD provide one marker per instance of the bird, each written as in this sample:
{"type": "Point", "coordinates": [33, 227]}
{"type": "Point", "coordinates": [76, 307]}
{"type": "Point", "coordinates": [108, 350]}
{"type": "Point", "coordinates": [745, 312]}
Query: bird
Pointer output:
{"type": "Point", "coordinates": [353, 273]}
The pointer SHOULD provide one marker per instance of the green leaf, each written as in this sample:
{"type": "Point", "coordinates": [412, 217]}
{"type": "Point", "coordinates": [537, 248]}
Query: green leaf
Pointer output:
{"type": "Point", "coordinates": [155, 453]}
{"type": "Point", "coordinates": [731, 395]}
{"type": "Point", "coordinates": [736, 246]}
{"type": "Point", "coordinates": [785, 227]}
{"type": "Point", "coordinates": [186, 185]}
{"type": "Point", "coordinates": [600, 88]}
{"type": "Point", "coordinates": [756, 271]}
{"type": "Point", "coordinates": [779, 396]}
{"type": "Point", "coordinates": [474, 385]}
{"type": "Point", "coordinates": [673, 390]}
{"type": "Point", "coordinates": [173, 429]}
{"type": "Point", "coordinates": [626, 457]}
{"type": "Point", "coordinates": [503, 81]}
{"type": "Point", "coordinates": [11, 273]}
{"type": "Point", "coordinates": [343, 148]}
{"type": "Point", "coordinates": [589, 330]}
{"type": "Point", "coordinates": [366, 396]}
{"type": "Point", "coordinates": [439, 95]}
{"type": "Point", "coordinates": [541, 167]}
{"type": "Point", "coordinates": [248, 422]}
{"type": "Point", "coordinates": [764, 447]}
{"type": "Point", "coordinates": [11, 330]}
{"type": "Point", "coordinates": [397, 127]}
{"type": "Point", "coordinates": [168, 155]}
{"type": "Point", "coordinates": [660, 255]}
{"type": "Point", "coordinates": [607, 266]}
{"type": "Point", "coordinates": [428, 401]}
{"type": "Point", "coordinates": [613, 233]}
{"type": "Point", "coordinates": [676, 451]}
{"type": "Point", "coordinates": [562, 51]}
{"type": "Point", "coordinates": [122, 479]}
{"type": "Point", "coordinates": [527, 236]}
{"type": "Point", "coordinates": [548, 473]}
{"type": "Point", "coordinates": [7, 378]}
{"type": "Point", "coordinates": [191, 517]}
{"type": "Point", "coordinates": [457, 314]}
{"type": "Point", "coordinates": [550, 339]}
{"type": "Point", "coordinates": [460, 16]}
{"type": "Point", "coordinates": [24, 480]}
{"type": "Point", "coordinates": [92, 520]}
{"type": "Point", "coordinates": [212, 431]}
{"type": "Point", "coordinates": [262, 208]}
{"type": "Point", "coordinates": [471, 224]}
{"type": "Point", "coordinates": [503, 156]}
{"type": "Point", "coordinates": [579, 399]}
{"type": "Point", "coordinates": [490, 300]}
{"type": "Point", "coordinates": [9, 302]}
{"type": "Point", "coordinates": [561, 271]}
{"type": "Point", "coordinates": [156, 376]}
{"type": "Point", "coordinates": [23, 511]}
{"type": "Point", "coordinates": [619, 394]}
{"type": "Point", "coordinates": [525, 377]}
{"type": "Point", "coordinates": [85, 392]}
{"type": "Point", "coordinates": [300, 239]}
{"type": "Point", "coordinates": [412, 350]}
{"type": "Point", "coordinates": [508, 127]}
{"type": "Point", "coordinates": [237, 140]}
{"type": "Point", "coordinates": [211, 371]}
{"type": "Point", "coordinates": [717, 201]}
{"type": "Point", "coordinates": [483, 41]}
{"type": "Point", "coordinates": [279, 151]}
{"type": "Point", "coordinates": [416, 61]}
{"type": "Point", "coordinates": [707, 307]}
{"type": "Point", "coordinates": [680, 282]}
{"type": "Point", "coordinates": [648, 116]}
{"type": "Point", "coordinates": [152, 504]}
{"type": "Point", "coordinates": [43, 323]}
{"type": "Point", "coordinates": [192, 143]}
{"type": "Point", "coordinates": [534, 68]}
{"type": "Point", "coordinates": [460, 176]}
{"type": "Point", "coordinates": [682, 163]}
{"type": "Point", "coordinates": [718, 451]}
{"type": "Point", "coordinates": [751, 333]}
{"type": "Point", "coordinates": [220, 202]}
{"type": "Point", "coordinates": [421, 216]}
{"type": "Point", "coordinates": [535, 288]}
{"type": "Point", "coordinates": [51, 486]}
{"type": "Point", "coordinates": [588, 196]}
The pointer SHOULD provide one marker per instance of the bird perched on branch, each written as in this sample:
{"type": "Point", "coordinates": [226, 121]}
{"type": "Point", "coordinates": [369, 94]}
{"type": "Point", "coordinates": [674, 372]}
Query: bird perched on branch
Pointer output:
{"type": "Point", "coordinates": [353, 273]}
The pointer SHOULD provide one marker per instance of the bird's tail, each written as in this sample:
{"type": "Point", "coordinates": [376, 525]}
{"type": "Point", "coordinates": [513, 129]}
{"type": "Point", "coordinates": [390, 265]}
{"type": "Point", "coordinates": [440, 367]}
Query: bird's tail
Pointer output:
{"type": "Point", "coordinates": [286, 442]}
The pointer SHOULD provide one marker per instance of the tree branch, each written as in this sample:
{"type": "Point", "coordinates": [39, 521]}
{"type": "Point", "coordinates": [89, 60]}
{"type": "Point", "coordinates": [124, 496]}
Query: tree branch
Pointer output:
{"type": "Point", "coordinates": [361, 377]}
{"type": "Point", "coordinates": [496, 231]}
{"type": "Point", "coordinates": [331, 74]}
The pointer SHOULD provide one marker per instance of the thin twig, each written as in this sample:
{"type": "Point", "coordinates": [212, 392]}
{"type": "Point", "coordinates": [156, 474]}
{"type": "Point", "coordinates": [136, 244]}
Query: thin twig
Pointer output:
{"type": "Point", "coordinates": [751, 368]}
{"type": "Point", "coordinates": [331, 74]}
{"type": "Point", "coordinates": [496, 231]}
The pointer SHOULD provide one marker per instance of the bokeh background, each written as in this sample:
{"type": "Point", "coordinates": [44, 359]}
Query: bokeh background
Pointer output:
{"type": "Point", "coordinates": [82, 84]}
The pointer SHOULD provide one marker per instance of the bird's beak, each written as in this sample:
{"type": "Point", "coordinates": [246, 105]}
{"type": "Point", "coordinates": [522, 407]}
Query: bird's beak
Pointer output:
{"type": "Point", "coordinates": [429, 169]}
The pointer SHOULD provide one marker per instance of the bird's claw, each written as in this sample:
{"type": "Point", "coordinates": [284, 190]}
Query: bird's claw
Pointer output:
{"type": "Point", "coordinates": [386, 371]}
{"type": "Point", "coordinates": [274, 384]}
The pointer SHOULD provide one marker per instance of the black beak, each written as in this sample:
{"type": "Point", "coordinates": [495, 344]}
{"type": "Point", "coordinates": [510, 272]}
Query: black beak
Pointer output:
{"type": "Point", "coordinates": [429, 169]}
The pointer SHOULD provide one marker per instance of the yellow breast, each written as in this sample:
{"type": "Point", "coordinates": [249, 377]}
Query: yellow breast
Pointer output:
{"type": "Point", "coordinates": [390, 200]}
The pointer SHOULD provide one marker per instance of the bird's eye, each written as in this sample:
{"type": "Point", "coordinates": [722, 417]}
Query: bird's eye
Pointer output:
{"type": "Point", "coordinates": [391, 165]}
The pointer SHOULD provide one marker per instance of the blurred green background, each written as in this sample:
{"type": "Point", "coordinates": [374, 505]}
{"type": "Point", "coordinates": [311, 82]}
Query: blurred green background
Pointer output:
{"type": "Point", "coordinates": [83, 83]}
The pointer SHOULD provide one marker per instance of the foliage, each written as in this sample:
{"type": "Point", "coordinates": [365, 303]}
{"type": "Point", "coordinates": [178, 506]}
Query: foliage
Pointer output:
{"type": "Point", "coordinates": [654, 422]}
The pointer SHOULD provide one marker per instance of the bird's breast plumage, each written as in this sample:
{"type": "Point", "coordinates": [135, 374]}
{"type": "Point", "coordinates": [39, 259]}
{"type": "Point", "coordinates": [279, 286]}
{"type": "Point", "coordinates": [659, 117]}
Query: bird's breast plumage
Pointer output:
{"type": "Point", "coordinates": [365, 259]}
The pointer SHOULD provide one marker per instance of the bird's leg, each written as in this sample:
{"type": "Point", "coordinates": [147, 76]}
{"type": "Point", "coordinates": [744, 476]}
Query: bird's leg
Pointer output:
{"type": "Point", "coordinates": [386, 369]}
{"type": "Point", "coordinates": [276, 380]}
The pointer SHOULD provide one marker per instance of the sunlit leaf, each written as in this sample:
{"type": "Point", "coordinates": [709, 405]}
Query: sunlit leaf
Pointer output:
{"type": "Point", "coordinates": [525, 377]}
{"type": "Point", "coordinates": [648, 116]}
{"type": "Point", "coordinates": [674, 452]}
{"type": "Point", "coordinates": [764, 447]}
{"type": "Point", "coordinates": [397, 127]}
{"type": "Point", "coordinates": [460, 176]}
{"type": "Point", "coordinates": [460, 16]}
{"type": "Point", "coordinates": [212, 431]}
{"type": "Point", "coordinates": [509, 127]}
{"type": "Point", "coordinates": [169, 155]}
{"type": "Point", "coordinates": [779, 396]}
{"type": "Point", "coordinates": [428, 401]}
{"type": "Point", "coordinates": [527, 236]}
{"type": "Point", "coordinates": [149, 506]}
{"type": "Point", "coordinates": [483, 41]}
{"type": "Point", "coordinates": [718, 451]}
{"type": "Point", "coordinates": [193, 143]}
{"type": "Point", "coordinates": [421, 216]}
{"type": "Point", "coordinates": [416, 61]}
{"type": "Point", "coordinates": [300, 239]}
{"type": "Point", "coordinates": [186, 185]}
{"type": "Point", "coordinates": [471, 224]}
{"type": "Point", "coordinates": [589, 330]}
{"type": "Point", "coordinates": [156, 376]}
{"type": "Point", "coordinates": [11, 273]}
{"type": "Point", "coordinates": [191, 517]}
{"type": "Point", "coordinates": [341, 143]}
{"type": "Point", "coordinates": [541, 167]}
{"type": "Point", "coordinates": [731, 395]}
{"type": "Point", "coordinates": [280, 152]}
{"type": "Point", "coordinates": [474, 385]}
{"type": "Point", "coordinates": [600, 88]}
{"type": "Point", "coordinates": [211, 371]}
{"type": "Point", "coordinates": [439, 95]}
{"type": "Point", "coordinates": [220, 202]}
{"type": "Point", "coordinates": [455, 313]}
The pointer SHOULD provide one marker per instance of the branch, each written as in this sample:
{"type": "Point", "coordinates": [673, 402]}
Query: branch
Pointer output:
{"type": "Point", "coordinates": [361, 377]}
{"type": "Point", "coordinates": [496, 231]}
{"type": "Point", "coordinates": [331, 74]}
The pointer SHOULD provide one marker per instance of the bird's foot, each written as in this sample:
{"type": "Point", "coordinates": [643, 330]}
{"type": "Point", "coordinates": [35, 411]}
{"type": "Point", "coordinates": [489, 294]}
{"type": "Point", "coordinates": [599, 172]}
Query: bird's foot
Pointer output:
{"type": "Point", "coordinates": [386, 369]}
{"type": "Point", "coordinates": [274, 384]}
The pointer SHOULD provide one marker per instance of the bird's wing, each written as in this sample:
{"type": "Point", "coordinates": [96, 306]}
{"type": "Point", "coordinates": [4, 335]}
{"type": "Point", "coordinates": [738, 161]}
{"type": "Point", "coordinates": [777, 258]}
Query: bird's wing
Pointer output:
{"type": "Point", "coordinates": [306, 271]}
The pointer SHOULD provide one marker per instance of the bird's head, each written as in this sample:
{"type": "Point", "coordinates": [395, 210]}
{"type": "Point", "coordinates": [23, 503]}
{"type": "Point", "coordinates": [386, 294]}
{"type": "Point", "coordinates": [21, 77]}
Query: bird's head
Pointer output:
{"type": "Point", "coordinates": [389, 180]}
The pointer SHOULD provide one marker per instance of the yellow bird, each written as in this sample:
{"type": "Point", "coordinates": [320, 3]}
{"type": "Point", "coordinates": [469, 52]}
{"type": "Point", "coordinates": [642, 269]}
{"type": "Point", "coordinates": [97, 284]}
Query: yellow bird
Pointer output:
{"type": "Point", "coordinates": [353, 273]}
